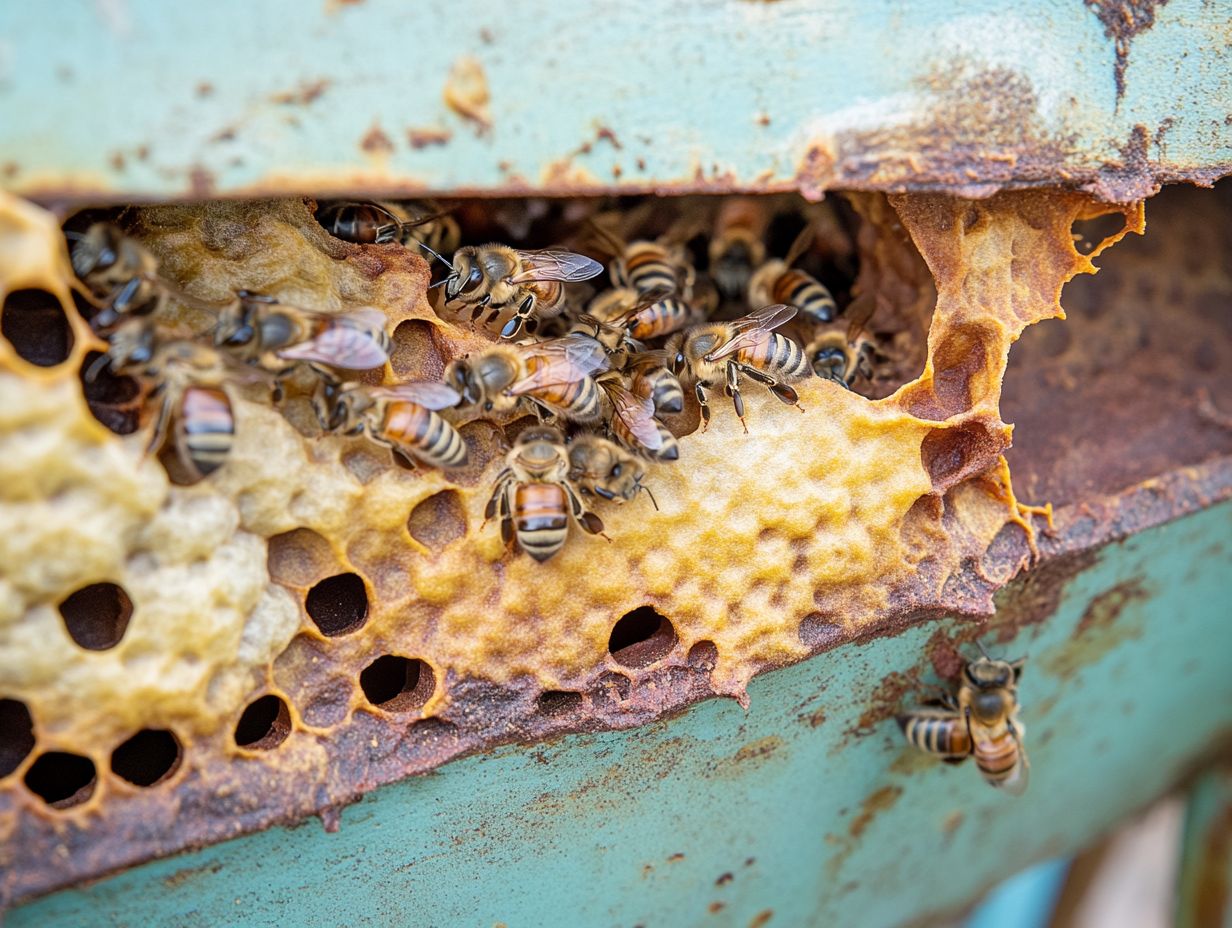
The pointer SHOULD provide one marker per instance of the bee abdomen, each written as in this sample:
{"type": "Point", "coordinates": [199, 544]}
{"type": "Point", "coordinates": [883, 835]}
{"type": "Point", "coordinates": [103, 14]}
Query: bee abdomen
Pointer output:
{"type": "Point", "coordinates": [425, 434]}
{"type": "Point", "coordinates": [997, 757]}
{"type": "Point", "coordinates": [205, 428]}
{"type": "Point", "coordinates": [809, 295]}
{"type": "Point", "coordinates": [785, 357]}
{"type": "Point", "coordinates": [662, 318]}
{"type": "Point", "coordinates": [578, 401]}
{"type": "Point", "coordinates": [540, 519]}
{"type": "Point", "coordinates": [943, 734]}
{"type": "Point", "coordinates": [645, 271]}
{"type": "Point", "coordinates": [666, 392]}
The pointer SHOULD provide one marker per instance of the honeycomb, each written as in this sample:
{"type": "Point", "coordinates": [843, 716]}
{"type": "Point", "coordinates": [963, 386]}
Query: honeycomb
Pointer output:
{"type": "Point", "coordinates": [313, 619]}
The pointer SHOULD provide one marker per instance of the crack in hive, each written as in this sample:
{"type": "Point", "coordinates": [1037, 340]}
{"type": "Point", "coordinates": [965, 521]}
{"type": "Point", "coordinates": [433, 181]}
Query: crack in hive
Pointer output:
{"type": "Point", "coordinates": [813, 527]}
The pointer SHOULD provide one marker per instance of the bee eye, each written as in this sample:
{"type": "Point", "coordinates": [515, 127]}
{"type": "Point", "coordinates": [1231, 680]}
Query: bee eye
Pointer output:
{"type": "Point", "coordinates": [473, 280]}
{"type": "Point", "coordinates": [487, 407]}
{"type": "Point", "coordinates": [616, 470]}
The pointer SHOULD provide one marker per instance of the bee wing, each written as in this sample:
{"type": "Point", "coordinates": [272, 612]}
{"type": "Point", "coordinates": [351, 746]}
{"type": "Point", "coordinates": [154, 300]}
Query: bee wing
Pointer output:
{"type": "Point", "coordinates": [637, 413]}
{"type": "Point", "coordinates": [1016, 785]}
{"type": "Point", "coordinates": [859, 312]}
{"type": "Point", "coordinates": [752, 327]}
{"type": "Point", "coordinates": [560, 361]}
{"type": "Point", "coordinates": [555, 264]}
{"type": "Point", "coordinates": [802, 243]}
{"type": "Point", "coordinates": [355, 341]}
{"type": "Point", "coordinates": [426, 393]}
{"type": "Point", "coordinates": [648, 299]}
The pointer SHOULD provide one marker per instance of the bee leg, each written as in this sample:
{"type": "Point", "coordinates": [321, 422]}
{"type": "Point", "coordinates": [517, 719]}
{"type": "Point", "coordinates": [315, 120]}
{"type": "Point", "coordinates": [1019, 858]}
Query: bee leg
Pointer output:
{"type": "Point", "coordinates": [121, 302]}
{"type": "Point", "coordinates": [506, 520]}
{"type": "Point", "coordinates": [514, 325]}
{"type": "Point", "coordinates": [785, 393]}
{"type": "Point", "coordinates": [161, 424]}
{"type": "Point", "coordinates": [700, 392]}
{"type": "Point", "coordinates": [733, 390]}
{"type": "Point", "coordinates": [480, 307]}
{"type": "Point", "coordinates": [497, 497]}
{"type": "Point", "coordinates": [587, 520]}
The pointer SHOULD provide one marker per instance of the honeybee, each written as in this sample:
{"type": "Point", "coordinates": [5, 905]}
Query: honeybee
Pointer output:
{"type": "Point", "coordinates": [277, 337]}
{"type": "Point", "coordinates": [554, 375]}
{"type": "Point", "coordinates": [642, 317]}
{"type": "Point", "coordinates": [982, 723]}
{"type": "Point", "coordinates": [844, 356]}
{"type": "Point", "coordinates": [632, 420]}
{"type": "Point", "coordinates": [190, 379]}
{"type": "Point", "coordinates": [650, 375]}
{"type": "Point", "coordinates": [777, 281]}
{"type": "Point", "coordinates": [497, 276]}
{"type": "Point", "coordinates": [122, 275]}
{"type": "Point", "coordinates": [402, 417]}
{"type": "Point", "coordinates": [725, 350]}
{"type": "Point", "coordinates": [738, 246]}
{"type": "Point", "coordinates": [373, 223]}
{"type": "Point", "coordinates": [533, 497]}
{"type": "Point", "coordinates": [598, 467]}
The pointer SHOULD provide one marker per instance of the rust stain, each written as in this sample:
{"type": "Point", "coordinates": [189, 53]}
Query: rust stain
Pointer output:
{"type": "Point", "coordinates": [1122, 21]}
{"type": "Point", "coordinates": [1099, 631]}
{"type": "Point", "coordinates": [759, 749]}
{"type": "Point", "coordinates": [205, 89]}
{"type": "Point", "coordinates": [305, 93]}
{"type": "Point", "coordinates": [886, 700]}
{"type": "Point", "coordinates": [466, 92]}
{"type": "Point", "coordinates": [419, 138]}
{"type": "Point", "coordinates": [761, 918]}
{"type": "Point", "coordinates": [1105, 608]}
{"type": "Point", "coordinates": [716, 907]}
{"type": "Point", "coordinates": [200, 183]}
{"type": "Point", "coordinates": [188, 874]}
{"type": "Point", "coordinates": [876, 802]}
{"type": "Point", "coordinates": [724, 879]}
{"type": "Point", "coordinates": [1211, 892]}
{"type": "Point", "coordinates": [376, 142]}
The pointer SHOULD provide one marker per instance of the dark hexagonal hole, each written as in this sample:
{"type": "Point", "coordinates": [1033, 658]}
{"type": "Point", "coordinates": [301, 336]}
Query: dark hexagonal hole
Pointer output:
{"type": "Point", "coordinates": [338, 604]}
{"type": "Point", "coordinates": [61, 779]}
{"type": "Point", "coordinates": [97, 615]}
{"type": "Point", "coordinates": [265, 724]}
{"type": "Point", "coordinates": [396, 683]}
{"type": "Point", "coordinates": [16, 735]}
{"type": "Point", "coordinates": [35, 324]}
{"type": "Point", "coordinates": [146, 758]}
{"type": "Point", "coordinates": [641, 637]}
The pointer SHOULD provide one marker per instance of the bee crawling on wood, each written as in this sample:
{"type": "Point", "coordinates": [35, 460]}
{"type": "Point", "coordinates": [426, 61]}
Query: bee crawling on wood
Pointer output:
{"type": "Point", "coordinates": [982, 722]}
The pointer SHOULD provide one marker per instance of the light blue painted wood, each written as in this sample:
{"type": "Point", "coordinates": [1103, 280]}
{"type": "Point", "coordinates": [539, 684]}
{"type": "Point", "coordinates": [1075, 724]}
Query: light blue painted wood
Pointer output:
{"type": "Point", "coordinates": [155, 99]}
{"type": "Point", "coordinates": [790, 799]}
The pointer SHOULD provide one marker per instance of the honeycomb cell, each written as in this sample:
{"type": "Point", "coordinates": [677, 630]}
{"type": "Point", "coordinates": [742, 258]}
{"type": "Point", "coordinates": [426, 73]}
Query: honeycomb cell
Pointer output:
{"type": "Point", "coordinates": [147, 758]}
{"type": "Point", "coordinates": [36, 326]}
{"type": "Point", "coordinates": [438, 520]}
{"type": "Point", "coordinates": [16, 735]}
{"type": "Point", "coordinates": [97, 615]}
{"type": "Point", "coordinates": [60, 779]}
{"type": "Point", "coordinates": [264, 724]}
{"type": "Point", "coordinates": [641, 637]}
{"type": "Point", "coordinates": [338, 605]}
{"type": "Point", "coordinates": [396, 683]}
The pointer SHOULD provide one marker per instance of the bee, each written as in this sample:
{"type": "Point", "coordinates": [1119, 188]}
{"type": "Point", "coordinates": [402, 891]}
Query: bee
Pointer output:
{"type": "Point", "coordinates": [373, 223]}
{"type": "Point", "coordinates": [642, 317]}
{"type": "Point", "coordinates": [190, 378]}
{"type": "Point", "coordinates": [845, 356]}
{"type": "Point", "coordinates": [650, 374]}
{"type": "Point", "coordinates": [497, 276]}
{"type": "Point", "coordinates": [632, 419]}
{"type": "Point", "coordinates": [777, 281]}
{"type": "Point", "coordinates": [552, 376]}
{"type": "Point", "coordinates": [533, 497]}
{"type": "Point", "coordinates": [725, 350]}
{"type": "Point", "coordinates": [982, 723]}
{"type": "Point", "coordinates": [277, 337]}
{"type": "Point", "coordinates": [121, 275]}
{"type": "Point", "coordinates": [737, 246]}
{"type": "Point", "coordinates": [598, 467]}
{"type": "Point", "coordinates": [403, 417]}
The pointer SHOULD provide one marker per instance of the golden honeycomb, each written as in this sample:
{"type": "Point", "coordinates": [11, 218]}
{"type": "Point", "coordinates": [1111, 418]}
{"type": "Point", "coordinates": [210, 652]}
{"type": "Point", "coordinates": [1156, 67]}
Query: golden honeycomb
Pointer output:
{"type": "Point", "coordinates": [390, 625]}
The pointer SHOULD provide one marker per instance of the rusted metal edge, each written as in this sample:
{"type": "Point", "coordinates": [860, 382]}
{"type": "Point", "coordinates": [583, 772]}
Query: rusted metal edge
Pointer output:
{"type": "Point", "coordinates": [369, 752]}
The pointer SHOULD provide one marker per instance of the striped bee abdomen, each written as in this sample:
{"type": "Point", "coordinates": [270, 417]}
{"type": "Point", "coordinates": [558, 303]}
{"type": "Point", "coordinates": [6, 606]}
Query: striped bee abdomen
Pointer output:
{"type": "Point", "coordinates": [777, 355]}
{"type": "Point", "coordinates": [937, 732]}
{"type": "Point", "coordinates": [662, 318]}
{"type": "Point", "coordinates": [204, 428]}
{"type": "Point", "coordinates": [997, 755]}
{"type": "Point", "coordinates": [806, 293]}
{"type": "Point", "coordinates": [645, 268]}
{"type": "Point", "coordinates": [540, 518]}
{"type": "Point", "coordinates": [578, 400]}
{"type": "Point", "coordinates": [424, 434]}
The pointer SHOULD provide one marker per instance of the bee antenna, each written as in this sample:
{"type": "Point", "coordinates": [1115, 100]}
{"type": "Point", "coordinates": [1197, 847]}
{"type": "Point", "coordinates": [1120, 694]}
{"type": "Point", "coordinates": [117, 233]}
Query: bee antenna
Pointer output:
{"type": "Point", "coordinates": [646, 490]}
{"type": "Point", "coordinates": [74, 236]}
{"type": "Point", "coordinates": [434, 254]}
{"type": "Point", "coordinates": [979, 644]}
{"type": "Point", "coordinates": [101, 362]}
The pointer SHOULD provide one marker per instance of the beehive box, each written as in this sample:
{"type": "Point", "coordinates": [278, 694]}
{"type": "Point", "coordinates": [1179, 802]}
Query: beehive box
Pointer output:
{"type": "Point", "coordinates": [288, 576]}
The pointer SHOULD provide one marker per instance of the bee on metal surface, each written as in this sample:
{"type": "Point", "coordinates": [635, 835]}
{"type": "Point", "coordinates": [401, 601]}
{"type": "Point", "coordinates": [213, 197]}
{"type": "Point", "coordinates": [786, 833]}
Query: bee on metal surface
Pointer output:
{"type": "Point", "coordinates": [190, 379]}
{"type": "Point", "coordinates": [533, 497]}
{"type": "Point", "coordinates": [844, 356]}
{"type": "Point", "coordinates": [632, 419]}
{"type": "Point", "coordinates": [555, 375]}
{"type": "Point", "coordinates": [722, 351]}
{"type": "Point", "coordinates": [373, 223]}
{"type": "Point", "coordinates": [121, 275]}
{"type": "Point", "coordinates": [598, 467]}
{"type": "Point", "coordinates": [403, 417]}
{"type": "Point", "coordinates": [495, 277]}
{"type": "Point", "coordinates": [276, 337]}
{"type": "Point", "coordinates": [737, 246]}
{"type": "Point", "coordinates": [777, 281]}
{"type": "Point", "coordinates": [981, 723]}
